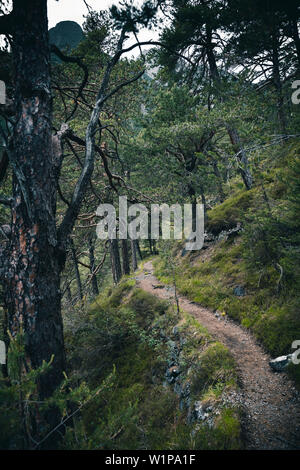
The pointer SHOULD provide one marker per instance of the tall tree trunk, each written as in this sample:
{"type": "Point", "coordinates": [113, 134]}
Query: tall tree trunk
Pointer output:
{"type": "Point", "coordinates": [193, 201]}
{"type": "Point", "coordinates": [134, 254]}
{"type": "Point", "coordinates": [76, 269]}
{"type": "Point", "coordinates": [115, 260]}
{"type": "Point", "coordinates": [139, 250]}
{"type": "Point", "coordinates": [36, 254]}
{"type": "Point", "coordinates": [93, 266]}
{"type": "Point", "coordinates": [232, 132]}
{"type": "Point", "coordinates": [33, 286]}
{"type": "Point", "coordinates": [213, 68]}
{"type": "Point", "coordinates": [125, 257]}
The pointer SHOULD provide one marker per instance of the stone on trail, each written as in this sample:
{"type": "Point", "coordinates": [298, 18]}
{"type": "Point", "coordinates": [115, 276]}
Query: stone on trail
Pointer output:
{"type": "Point", "coordinates": [280, 363]}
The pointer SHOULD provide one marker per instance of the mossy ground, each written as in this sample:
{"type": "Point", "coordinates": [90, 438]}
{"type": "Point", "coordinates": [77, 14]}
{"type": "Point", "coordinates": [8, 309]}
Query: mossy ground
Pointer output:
{"type": "Point", "coordinates": [128, 329]}
{"type": "Point", "coordinates": [273, 317]}
{"type": "Point", "coordinates": [270, 306]}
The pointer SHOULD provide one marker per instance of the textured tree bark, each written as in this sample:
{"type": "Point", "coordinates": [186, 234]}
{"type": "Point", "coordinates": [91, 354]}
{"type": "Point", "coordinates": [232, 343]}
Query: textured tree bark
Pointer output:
{"type": "Point", "coordinates": [33, 280]}
{"type": "Point", "coordinates": [93, 266]}
{"type": "Point", "coordinates": [32, 263]}
{"type": "Point", "coordinates": [133, 254]}
{"type": "Point", "coordinates": [125, 257]}
{"type": "Point", "coordinates": [213, 68]}
{"type": "Point", "coordinates": [115, 260]}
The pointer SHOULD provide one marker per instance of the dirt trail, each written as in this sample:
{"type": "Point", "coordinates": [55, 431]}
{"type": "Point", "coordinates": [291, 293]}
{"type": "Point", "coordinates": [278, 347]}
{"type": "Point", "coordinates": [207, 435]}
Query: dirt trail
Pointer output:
{"type": "Point", "coordinates": [270, 402]}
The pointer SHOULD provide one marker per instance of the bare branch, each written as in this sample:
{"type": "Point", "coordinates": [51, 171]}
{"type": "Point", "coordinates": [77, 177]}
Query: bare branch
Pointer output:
{"type": "Point", "coordinates": [88, 166]}
{"type": "Point", "coordinates": [98, 149]}
{"type": "Point", "coordinates": [117, 88]}
{"type": "Point", "coordinates": [155, 43]}
{"type": "Point", "coordinates": [78, 61]}
{"type": "Point", "coordinates": [57, 149]}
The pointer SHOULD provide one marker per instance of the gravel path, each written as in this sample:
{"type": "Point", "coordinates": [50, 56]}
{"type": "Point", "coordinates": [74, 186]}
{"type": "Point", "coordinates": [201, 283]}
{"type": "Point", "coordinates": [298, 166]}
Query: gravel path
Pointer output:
{"type": "Point", "coordinates": [271, 404]}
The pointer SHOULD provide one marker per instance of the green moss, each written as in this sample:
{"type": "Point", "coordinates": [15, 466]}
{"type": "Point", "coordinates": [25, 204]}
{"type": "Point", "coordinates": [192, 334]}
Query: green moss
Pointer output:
{"type": "Point", "coordinates": [225, 435]}
{"type": "Point", "coordinates": [112, 296]}
{"type": "Point", "coordinates": [277, 328]}
{"type": "Point", "coordinates": [139, 411]}
{"type": "Point", "coordinates": [146, 305]}
{"type": "Point", "coordinates": [226, 215]}
{"type": "Point", "coordinates": [215, 371]}
{"type": "Point", "coordinates": [228, 430]}
{"type": "Point", "coordinates": [269, 241]}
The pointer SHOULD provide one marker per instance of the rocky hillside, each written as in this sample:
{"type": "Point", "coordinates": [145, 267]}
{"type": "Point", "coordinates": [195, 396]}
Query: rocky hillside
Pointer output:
{"type": "Point", "coordinates": [66, 35]}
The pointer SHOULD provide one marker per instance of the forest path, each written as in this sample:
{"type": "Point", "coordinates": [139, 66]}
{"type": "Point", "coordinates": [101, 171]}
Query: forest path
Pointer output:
{"type": "Point", "coordinates": [271, 404]}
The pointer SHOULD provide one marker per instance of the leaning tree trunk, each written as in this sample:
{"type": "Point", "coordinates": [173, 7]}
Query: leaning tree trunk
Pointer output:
{"type": "Point", "coordinates": [95, 289]}
{"type": "Point", "coordinates": [115, 261]}
{"type": "Point", "coordinates": [134, 254]}
{"type": "Point", "coordinates": [125, 257]}
{"type": "Point", "coordinates": [33, 285]}
{"type": "Point", "coordinates": [138, 248]}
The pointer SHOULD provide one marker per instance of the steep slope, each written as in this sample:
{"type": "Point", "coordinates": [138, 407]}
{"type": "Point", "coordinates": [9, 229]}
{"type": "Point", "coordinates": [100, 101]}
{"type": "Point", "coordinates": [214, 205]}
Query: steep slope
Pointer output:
{"type": "Point", "coordinates": [271, 404]}
{"type": "Point", "coordinates": [169, 384]}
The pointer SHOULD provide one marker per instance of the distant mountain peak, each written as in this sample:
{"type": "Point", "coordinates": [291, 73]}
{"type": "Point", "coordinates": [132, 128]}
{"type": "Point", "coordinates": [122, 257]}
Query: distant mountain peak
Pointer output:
{"type": "Point", "coordinates": [66, 35]}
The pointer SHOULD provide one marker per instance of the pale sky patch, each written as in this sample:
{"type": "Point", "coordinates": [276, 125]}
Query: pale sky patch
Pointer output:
{"type": "Point", "coordinates": [75, 10]}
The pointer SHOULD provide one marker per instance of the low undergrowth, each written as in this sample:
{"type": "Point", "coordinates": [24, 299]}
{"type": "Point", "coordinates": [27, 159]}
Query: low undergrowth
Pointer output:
{"type": "Point", "coordinates": [253, 277]}
{"type": "Point", "coordinates": [137, 335]}
{"type": "Point", "coordinates": [211, 281]}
